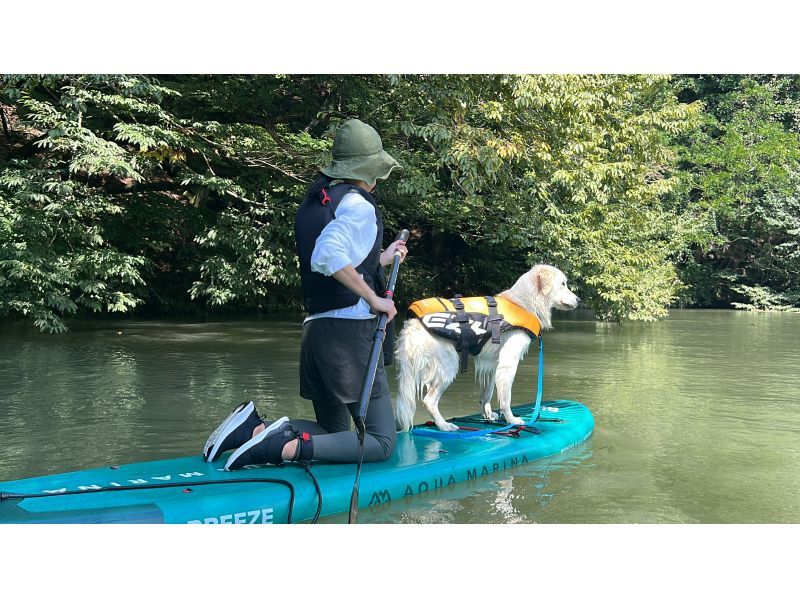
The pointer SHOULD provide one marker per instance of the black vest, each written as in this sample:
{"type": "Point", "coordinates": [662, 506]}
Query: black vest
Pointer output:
{"type": "Point", "coordinates": [320, 292]}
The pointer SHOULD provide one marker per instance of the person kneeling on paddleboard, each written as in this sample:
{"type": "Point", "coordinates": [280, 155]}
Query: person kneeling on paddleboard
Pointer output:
{"type": "Point", "coordinates": [339, 231]}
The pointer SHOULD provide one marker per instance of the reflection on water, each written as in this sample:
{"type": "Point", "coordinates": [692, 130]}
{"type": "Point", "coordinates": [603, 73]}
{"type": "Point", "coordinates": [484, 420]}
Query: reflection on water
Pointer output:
{"type": "Point", "coordinates": [697, 415]}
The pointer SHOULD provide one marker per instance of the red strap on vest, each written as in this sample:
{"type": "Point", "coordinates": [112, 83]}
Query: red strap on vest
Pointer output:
{"type": "Point", "coordinates": [326, 199]}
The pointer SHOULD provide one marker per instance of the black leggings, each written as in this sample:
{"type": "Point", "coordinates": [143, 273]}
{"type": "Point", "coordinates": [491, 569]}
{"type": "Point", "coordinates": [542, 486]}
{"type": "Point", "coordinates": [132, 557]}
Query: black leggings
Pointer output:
{"type": "Point", "coordinates": [333, 440]}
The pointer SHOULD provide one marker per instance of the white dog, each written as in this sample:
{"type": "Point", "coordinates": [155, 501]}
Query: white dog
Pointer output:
{"type": "Point", "coordinates": [429, 363]}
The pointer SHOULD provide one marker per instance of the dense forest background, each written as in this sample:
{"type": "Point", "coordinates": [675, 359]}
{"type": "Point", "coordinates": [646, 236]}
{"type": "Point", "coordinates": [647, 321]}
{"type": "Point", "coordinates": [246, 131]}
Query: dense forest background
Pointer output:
{"type": "Point", "coordinates": [177, 194]}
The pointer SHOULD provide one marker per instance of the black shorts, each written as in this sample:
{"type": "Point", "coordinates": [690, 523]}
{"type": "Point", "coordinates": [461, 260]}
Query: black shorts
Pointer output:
{"type": "Point", "coordinates": [333, 358]}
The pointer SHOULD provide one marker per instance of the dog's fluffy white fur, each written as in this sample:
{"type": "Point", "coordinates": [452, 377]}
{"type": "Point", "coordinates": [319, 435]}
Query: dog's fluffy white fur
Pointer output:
{"type": "Point", "coordinates": [429, 363]}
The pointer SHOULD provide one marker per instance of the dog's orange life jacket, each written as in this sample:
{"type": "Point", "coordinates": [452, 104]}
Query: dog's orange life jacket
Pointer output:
{"type": "Point", "coordinates": [471, 321]}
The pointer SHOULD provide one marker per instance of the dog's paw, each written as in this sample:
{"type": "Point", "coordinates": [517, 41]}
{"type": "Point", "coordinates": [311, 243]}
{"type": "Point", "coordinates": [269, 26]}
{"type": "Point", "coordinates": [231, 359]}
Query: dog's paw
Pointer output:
{"type": "Point", "coordinates": [492, 416]}
{"type": "Point", "coordinates": [516, 421]}
{"type": "Point", "coordinates": [447, 427]}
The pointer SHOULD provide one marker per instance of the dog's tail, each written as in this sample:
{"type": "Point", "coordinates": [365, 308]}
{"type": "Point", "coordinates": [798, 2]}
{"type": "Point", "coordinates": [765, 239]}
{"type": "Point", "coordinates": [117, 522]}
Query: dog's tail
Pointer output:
{"type": "Point", "coordinates": [409, 386]}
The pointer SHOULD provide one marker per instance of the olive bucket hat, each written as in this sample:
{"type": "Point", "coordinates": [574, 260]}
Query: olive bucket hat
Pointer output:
{"type": "Point", "coordinates": [358, 154]}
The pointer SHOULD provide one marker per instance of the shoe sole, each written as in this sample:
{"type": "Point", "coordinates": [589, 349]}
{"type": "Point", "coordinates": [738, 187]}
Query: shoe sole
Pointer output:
{"type": "Point", "coordinates": [218, 436]}
{"type": "Point", "coordinates": [255, 440]}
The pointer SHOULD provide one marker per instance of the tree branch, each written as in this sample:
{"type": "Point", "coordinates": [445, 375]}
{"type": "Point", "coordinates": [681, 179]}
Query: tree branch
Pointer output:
{"type": "Point", "coordinates": [260, 162]}
{"type": "Point", "coordinates": [281, 143]}
{"type": "Point", "coordinates": [117, 186]}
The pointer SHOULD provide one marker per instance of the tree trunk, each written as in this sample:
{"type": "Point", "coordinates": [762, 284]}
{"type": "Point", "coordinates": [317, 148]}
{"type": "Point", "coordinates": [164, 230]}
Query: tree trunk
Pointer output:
{"type": "Point", "coordinates": [5, 122]}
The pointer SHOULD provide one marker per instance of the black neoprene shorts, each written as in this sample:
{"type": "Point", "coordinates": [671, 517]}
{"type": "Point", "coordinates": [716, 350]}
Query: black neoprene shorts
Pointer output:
{"type": "Point", "coordinates": [333, 359]}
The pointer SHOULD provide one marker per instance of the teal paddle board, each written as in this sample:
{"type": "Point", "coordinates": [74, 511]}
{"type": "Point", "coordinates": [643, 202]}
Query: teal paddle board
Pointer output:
{"type": "Point", "coordinates": [189, 490]}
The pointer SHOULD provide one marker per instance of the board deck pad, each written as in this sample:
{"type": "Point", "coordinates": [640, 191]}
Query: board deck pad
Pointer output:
{"type": "Point", "coordinates": [420, 464]}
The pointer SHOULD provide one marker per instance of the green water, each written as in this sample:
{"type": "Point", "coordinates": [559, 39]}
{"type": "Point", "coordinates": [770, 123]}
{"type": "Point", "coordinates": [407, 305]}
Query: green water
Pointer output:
{"type": "Point", "coordinates": [697, 416]}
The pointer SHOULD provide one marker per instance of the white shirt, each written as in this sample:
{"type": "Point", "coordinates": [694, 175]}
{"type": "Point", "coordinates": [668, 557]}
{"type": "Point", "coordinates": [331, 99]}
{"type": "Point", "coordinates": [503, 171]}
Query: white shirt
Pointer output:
{"type": "Point", "coordinates": [346, 240]}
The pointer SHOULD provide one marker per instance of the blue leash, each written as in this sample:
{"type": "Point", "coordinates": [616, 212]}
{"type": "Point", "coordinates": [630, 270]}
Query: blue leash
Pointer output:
{"type": "Point", "coordinates": [476, 433]}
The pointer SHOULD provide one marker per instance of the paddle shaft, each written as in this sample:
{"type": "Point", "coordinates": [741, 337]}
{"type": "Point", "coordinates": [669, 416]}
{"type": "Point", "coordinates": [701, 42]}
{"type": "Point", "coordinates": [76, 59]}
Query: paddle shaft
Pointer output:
{"type": "Point", "coordinates": [369, 376]}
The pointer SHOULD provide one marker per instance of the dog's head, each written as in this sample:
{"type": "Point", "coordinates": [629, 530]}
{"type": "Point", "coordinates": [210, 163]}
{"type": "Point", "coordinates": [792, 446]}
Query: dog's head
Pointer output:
{"type": "Point", "coordinates": [541, 289]}
{"type": "Point", "coordinates": [550, 284]}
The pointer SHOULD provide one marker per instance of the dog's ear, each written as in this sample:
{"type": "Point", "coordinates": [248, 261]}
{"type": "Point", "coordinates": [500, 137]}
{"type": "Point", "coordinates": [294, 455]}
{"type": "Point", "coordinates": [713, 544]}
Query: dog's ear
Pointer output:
{"type": "Point", "coordinates": [544, 280]}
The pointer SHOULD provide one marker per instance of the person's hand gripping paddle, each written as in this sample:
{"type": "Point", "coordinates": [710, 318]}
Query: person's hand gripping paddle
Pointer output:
{"type": "Point", "coordinates": [369, 376]}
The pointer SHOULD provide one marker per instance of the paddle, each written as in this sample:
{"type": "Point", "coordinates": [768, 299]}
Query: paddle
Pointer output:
{"type": "Point", "coordinates": [369, 377]}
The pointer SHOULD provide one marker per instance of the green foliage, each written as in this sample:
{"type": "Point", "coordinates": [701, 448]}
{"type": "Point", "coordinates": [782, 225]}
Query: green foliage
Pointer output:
{"type": "Point", "coordinates": [247, 259]}
{"type": "Point", "coordinates": [53, 256]}
{"type": "Point", "coordinates": [742, 167]}
{"type": "Point", "coordinates": [114, 187]}
{"type": "Point", "coordinates": [573, 170]}
{"type": "Point", "coordinates": [762, 298]}
{"type": "Point", "coordinates": [127, 192]}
